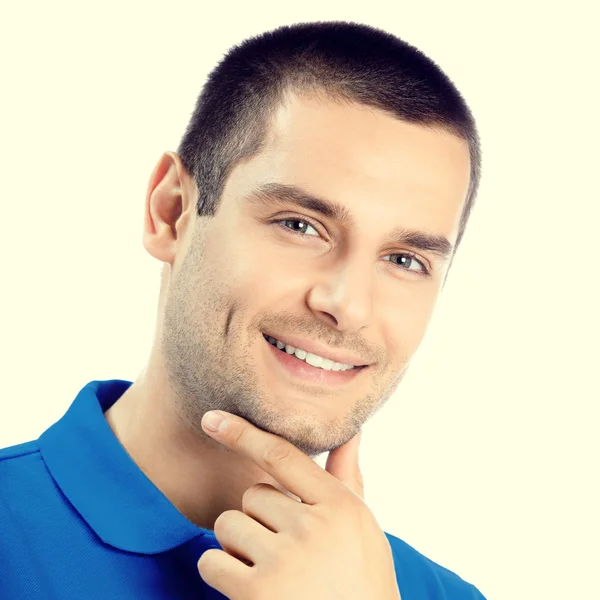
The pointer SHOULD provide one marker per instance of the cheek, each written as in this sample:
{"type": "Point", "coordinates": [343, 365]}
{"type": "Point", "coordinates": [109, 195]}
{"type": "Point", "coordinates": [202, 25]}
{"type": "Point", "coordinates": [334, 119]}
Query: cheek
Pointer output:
{"type": "Point", "coordinates": [274, 265]}
{"type": "Point", "coordinates": [236, 262]}
{"type": "Point", "coordinates": [257, 279]}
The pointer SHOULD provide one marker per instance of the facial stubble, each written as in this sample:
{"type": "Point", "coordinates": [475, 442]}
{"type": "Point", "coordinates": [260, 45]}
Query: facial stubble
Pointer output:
{"type": "Point", "coordinates": [207, 369]}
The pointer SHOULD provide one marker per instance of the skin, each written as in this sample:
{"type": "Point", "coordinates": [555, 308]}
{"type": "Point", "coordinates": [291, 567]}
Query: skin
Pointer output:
{"type": "Point", "coordinates": [230, 277]}
{"type": "Point", "coordinates": [329, 546]}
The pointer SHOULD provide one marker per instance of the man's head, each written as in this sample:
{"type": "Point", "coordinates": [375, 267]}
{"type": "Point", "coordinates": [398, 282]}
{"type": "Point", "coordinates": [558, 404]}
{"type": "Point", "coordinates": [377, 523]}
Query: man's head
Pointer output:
{"type": "Point", "coordinates": [321, 188]}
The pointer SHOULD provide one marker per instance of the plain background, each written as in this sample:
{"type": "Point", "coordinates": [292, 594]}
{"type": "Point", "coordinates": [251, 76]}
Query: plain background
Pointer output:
{"type": "Point", "coordinates": [486, 458]}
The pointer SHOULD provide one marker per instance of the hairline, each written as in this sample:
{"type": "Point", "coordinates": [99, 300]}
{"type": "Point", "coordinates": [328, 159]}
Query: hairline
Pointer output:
{"type": "Point", "coordinates": [264, 130]}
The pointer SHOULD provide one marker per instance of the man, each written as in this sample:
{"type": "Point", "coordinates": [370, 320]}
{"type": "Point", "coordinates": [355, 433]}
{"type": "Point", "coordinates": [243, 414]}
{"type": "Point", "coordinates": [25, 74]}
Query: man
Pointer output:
{"type": "Point", "coordinates": [306, 226]}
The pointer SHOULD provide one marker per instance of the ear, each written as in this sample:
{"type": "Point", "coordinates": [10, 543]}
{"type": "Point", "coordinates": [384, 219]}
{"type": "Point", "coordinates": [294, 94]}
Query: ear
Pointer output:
{"type": "Point", "coordinates": [168, 200]}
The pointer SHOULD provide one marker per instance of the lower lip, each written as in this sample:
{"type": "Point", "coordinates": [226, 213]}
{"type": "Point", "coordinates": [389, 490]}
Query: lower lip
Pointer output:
{"type": "Point", "coordinates": [302, 370]}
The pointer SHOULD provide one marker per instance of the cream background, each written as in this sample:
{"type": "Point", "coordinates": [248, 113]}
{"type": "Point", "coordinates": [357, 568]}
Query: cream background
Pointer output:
{"type": "Point", "coordinates": [486, 459]}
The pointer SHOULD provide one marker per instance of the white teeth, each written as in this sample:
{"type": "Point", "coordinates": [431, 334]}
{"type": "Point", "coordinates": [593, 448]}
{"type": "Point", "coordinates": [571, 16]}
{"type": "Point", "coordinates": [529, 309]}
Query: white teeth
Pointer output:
{"type": "Point", "coordinates": [327, 364]}
{"type": "Point", "coordinates": [312, 359]}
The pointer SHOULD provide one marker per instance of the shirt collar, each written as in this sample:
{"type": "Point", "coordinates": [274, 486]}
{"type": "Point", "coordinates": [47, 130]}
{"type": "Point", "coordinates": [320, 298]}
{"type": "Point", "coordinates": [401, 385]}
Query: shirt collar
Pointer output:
{"type": "Point", "coordinates": [104, 484]}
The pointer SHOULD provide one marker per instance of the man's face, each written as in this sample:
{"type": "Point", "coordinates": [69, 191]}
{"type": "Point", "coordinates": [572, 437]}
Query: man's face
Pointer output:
{"type": "Point", "coordinates": [286, 270]}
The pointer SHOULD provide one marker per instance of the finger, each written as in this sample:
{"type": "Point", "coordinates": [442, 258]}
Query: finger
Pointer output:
{"type": "Point", "coordinates": [243, 537]}
{"type": "Point", "coordinates": [271, 508]}
{"type": "Point", "coordinates": [342, 463]}
{"type": "Point", "coordinates": [293, 469]}
{"type": "Point", "coordinates": [223, 572]}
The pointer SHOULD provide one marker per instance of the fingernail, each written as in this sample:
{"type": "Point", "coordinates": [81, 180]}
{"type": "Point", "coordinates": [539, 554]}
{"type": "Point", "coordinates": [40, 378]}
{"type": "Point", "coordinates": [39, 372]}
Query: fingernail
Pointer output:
{"type": "Point", "coordinates": [214, 421]}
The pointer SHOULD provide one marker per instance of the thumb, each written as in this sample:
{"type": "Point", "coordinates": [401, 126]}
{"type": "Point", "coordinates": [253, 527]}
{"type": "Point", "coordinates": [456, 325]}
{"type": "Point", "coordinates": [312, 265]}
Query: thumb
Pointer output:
{"type": "Point", "coordinates": [342, 463]}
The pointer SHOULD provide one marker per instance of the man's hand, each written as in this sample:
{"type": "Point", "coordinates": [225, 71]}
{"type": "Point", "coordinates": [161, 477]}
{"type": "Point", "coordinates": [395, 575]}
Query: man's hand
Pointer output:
{"type": "Point", "coordinates": [329, 546]}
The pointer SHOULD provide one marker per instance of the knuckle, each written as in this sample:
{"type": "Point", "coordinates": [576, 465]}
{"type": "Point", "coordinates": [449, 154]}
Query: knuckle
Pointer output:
{"type": "Point", "coordinates": [277, 453]}
{"type": "Point", "coordinates": [307, 522]}
{"type": "Point", "coordinates": [250, 495]}
{"type": "Point", "coordinates": [223, 522]}
{"type": "Point", "coordinates": [207, 563]}
{"type": "Point", "coordinates": [238, 436]}
{"type": "Point", "coordinates": [350, 503]}
{"type": "Point", "coordinates": [353, 509]}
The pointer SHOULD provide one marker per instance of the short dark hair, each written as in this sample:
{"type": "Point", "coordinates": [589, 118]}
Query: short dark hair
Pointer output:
{"type": "Point", "coordinates": [344, 61]}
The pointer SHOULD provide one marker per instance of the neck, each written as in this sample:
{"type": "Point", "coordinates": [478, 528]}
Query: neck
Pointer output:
{"type": "Point", "coordinates": [199, 476]}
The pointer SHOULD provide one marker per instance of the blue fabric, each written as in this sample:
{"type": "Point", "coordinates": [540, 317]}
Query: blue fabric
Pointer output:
{"type": "Point", "coordinates": [80, 520]}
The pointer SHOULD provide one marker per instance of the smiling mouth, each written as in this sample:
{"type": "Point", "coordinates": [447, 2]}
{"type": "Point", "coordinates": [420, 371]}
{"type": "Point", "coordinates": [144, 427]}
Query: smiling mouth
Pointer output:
{"type": "Point", "coordinates": [310, 359]}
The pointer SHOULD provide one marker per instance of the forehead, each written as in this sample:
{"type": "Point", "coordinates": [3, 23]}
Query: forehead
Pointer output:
{"type": "Point", "coordinates": [375, 164]}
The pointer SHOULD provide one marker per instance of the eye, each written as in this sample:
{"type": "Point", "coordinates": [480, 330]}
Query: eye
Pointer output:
{"type": "Point", "coordinates": [408, 260]}
{"type": "Point", "coordinates": [300, 230]}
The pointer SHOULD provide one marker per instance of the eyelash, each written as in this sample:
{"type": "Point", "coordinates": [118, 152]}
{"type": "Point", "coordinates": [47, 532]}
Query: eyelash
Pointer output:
{"type": "Point", "coordinates": [424, 273]}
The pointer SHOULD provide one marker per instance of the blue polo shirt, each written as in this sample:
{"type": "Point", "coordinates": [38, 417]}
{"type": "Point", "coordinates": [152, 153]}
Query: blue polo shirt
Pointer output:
{"type": "Point", "coordinates": [80, 520]}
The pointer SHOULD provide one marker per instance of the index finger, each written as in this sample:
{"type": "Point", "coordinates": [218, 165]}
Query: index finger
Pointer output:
{"type": "Point", "coordinates": [293, 469]}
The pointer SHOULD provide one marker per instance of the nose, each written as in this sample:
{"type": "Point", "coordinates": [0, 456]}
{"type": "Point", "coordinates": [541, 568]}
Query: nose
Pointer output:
{"type": "Point", "coordinates": [344, 298]}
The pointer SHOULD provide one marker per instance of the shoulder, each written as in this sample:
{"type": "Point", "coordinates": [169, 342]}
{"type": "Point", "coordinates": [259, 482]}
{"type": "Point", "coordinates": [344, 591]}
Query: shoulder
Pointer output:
{"type": "Point", "coordinates": [22, 470]}
{"type": "Point", "coordinates": [19, 465]}
{"type": "Point", "coordinates": [12, 458]}
{"type": "Point", "coordinates": [25, 490]}
{"type": "Point", "coordinates": [421, 577]}
{"type": "Point", "coordinates": [18, 450]}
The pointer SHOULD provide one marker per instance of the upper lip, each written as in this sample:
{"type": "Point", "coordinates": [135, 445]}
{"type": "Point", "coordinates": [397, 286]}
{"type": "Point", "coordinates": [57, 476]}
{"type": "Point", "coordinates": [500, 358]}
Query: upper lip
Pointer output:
{"type": "Point", "coordinates": [339, 356]}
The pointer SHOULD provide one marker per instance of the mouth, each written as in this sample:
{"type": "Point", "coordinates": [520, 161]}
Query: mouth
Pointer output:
{"type": "Point", "coordinates": [299, 364]}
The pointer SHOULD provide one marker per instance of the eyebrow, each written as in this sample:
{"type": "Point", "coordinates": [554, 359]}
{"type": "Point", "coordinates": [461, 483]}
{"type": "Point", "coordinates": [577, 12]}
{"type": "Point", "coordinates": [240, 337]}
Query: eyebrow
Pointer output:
{"type": "Point", "coordinates": [268, 193]}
